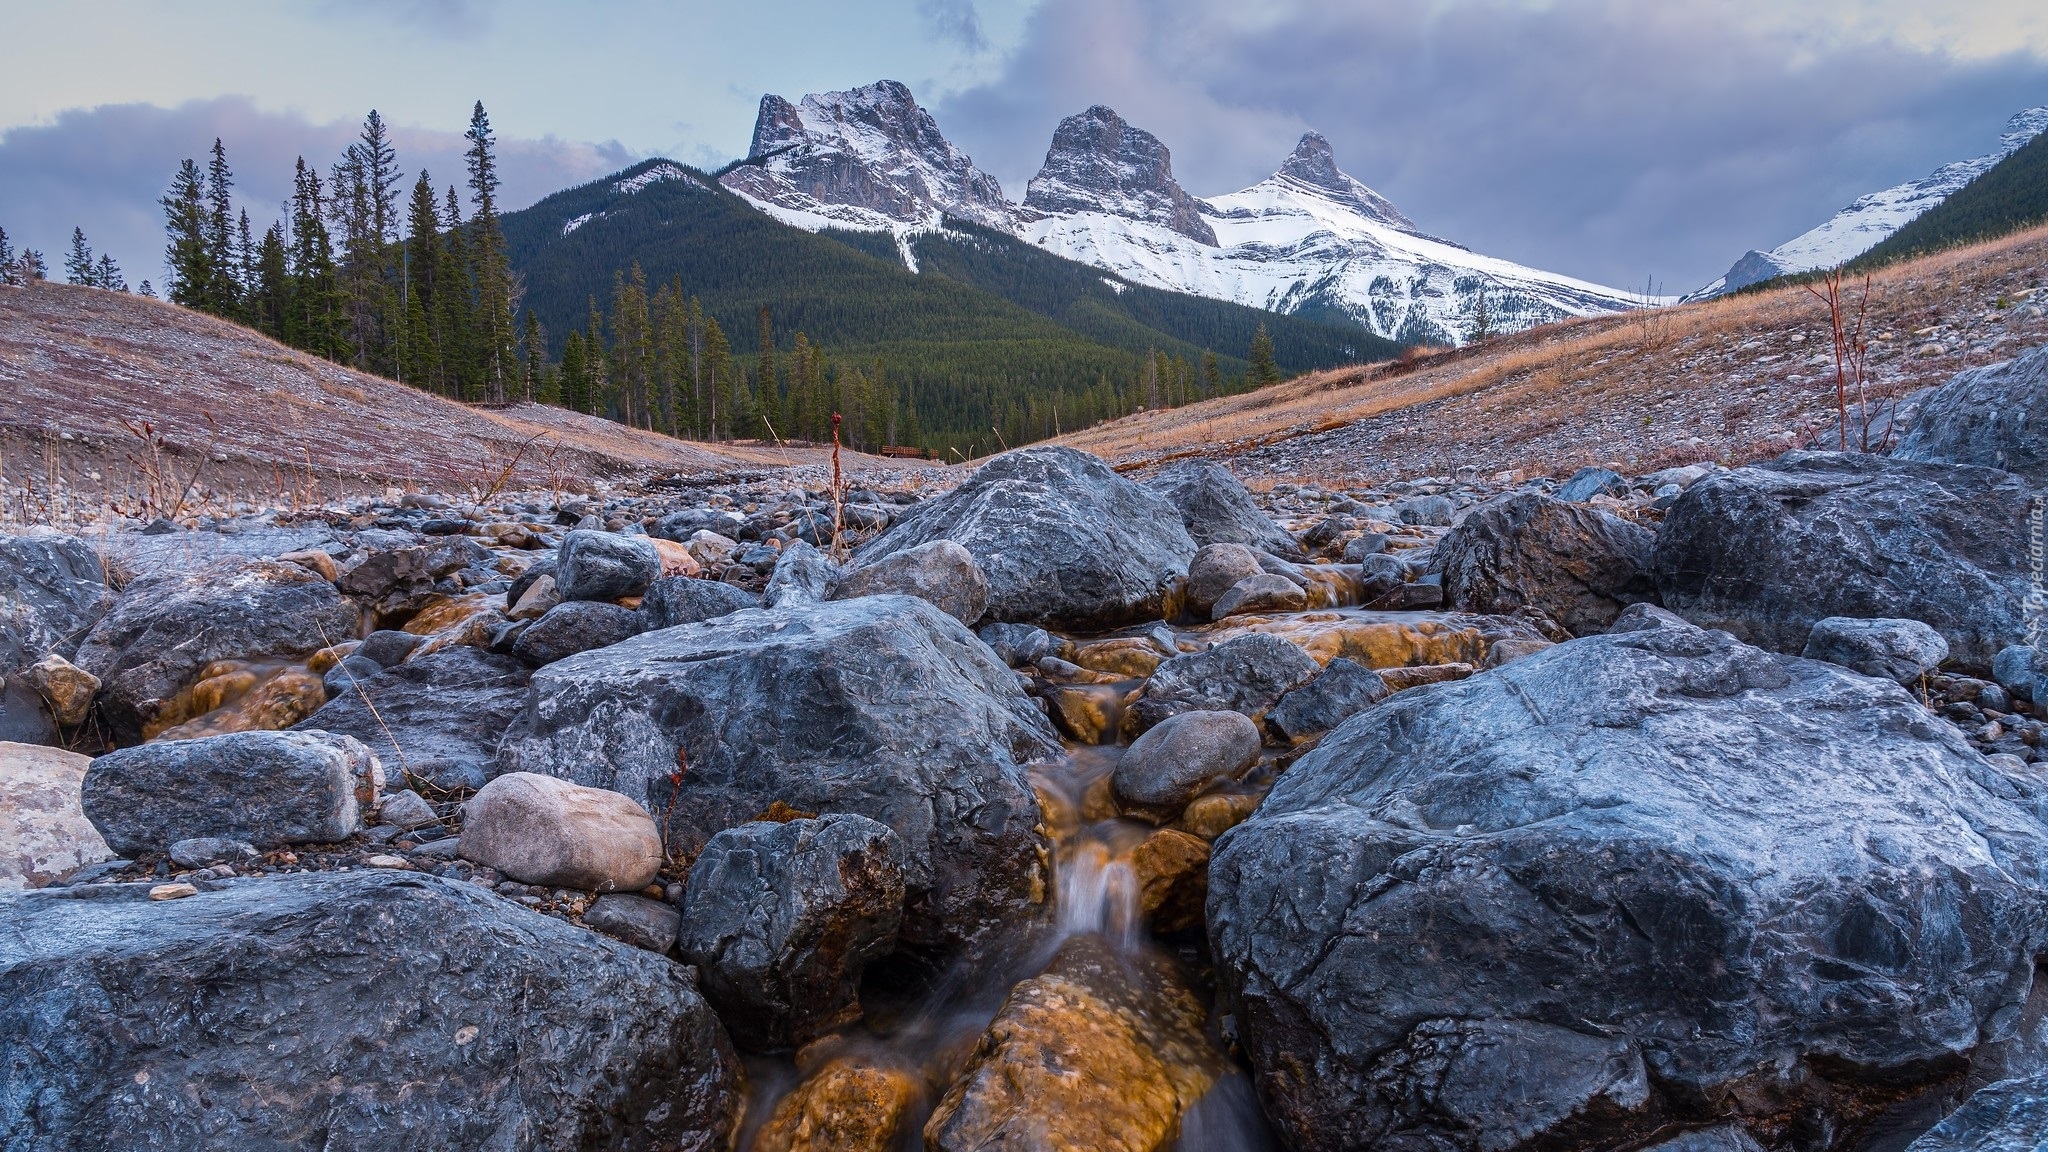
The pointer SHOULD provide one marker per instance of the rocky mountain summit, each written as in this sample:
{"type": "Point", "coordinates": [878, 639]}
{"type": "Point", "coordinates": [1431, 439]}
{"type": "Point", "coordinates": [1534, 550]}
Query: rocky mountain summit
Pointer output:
{"type": "Point", "coordinates": [1099, 163]}
{"type": "Point", "coordinates": [1310, 239]}
{"type": "Point", "coordinates": [1702, 809]}
{"type": "Point", "coordinates": [868, 157]}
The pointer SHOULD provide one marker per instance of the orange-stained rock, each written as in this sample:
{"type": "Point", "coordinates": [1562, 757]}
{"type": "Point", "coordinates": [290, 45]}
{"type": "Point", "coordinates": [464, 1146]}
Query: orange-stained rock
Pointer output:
{"type": "Point", "coordinates": [1399, 678]}
{"type": "Point", "coordinates": [675, 558]}
{"type": "Point", "coordinates": [1131, 657]}
{"type": "Point", "coordinates": [1172, 869]}
{"type": "Point", "coordinates": [232, 696]}
{"type": "Point", "coordinates": [451, 620]}
{"type": "Point", "coordinates": [845, 1107]}
{"type": "Point", "coordinates": [1211, 816]}
{"type": "Point", "coordinates": [1085, 713]}
{"type": "Point", "coordinates": [1382, 640]}
{"type": "Point", "coordinates": [1101, 1053]}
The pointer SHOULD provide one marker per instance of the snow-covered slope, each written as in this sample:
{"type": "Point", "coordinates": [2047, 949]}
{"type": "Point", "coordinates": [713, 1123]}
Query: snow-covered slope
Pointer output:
{"type": "Point", "coordinates": [1862, 225]}
{"type": "Point", "coordinates": [1309, 239]}
{"type": "Point", "coordinates": [869, 159]}
{"type": "Point", "coordinates": [1312, 239]}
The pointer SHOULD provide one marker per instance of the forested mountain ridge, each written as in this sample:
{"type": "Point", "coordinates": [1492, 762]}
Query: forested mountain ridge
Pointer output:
{"type": "Point", "coordinates": [988, 340]}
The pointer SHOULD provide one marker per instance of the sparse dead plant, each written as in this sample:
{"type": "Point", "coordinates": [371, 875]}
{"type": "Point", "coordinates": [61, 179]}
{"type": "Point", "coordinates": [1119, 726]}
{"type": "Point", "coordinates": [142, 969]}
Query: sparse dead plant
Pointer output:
{"type": "Point", "coordinates": [1852, 353]}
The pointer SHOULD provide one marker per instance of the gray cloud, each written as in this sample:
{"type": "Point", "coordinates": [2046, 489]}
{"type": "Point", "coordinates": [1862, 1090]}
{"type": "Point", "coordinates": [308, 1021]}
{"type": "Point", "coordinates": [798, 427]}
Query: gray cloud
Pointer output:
{"type": "Point", "coordinates": [1608, 140]}
{"type": "Point", "coordinates": [452, 19]}
{"type": "Point", "coordinates": [954, 20]}
{"type": "Point", "coordinates": [104, 169]}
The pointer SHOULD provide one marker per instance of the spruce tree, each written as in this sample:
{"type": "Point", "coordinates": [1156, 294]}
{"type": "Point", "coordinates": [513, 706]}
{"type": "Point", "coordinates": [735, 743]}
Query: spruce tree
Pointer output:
{"type": "Point", "coordinates": [534, 351]}
{"type": "Point", "coordinates": [78, 267]}
{"type": "Point", "coordinates": [1212, 376]}
{"type": "Point", "coordinates": [596, 372]}
{"type": "Point", "coordinates": [185, 224]}
{"type": "Point", "coordinates": [247, 257]}
{"type": "Point", "coordinates": [420, 264]}
{"type": "Point", "coordinates": [1262, 370]}
{"type": "Point", "coordinates": [146, 290]}
{"type": "Point", "coordinates": [270, 288]}
{"type": "Point", "coordinates": [575, 378]}
{"type": "Point", "coordinates": [462, 369]}
{"type": "Point", "coordinates": [31, 266]}
{"type": "Point", "coordinates": [107, 274]}
{"type": "Point", "coordinates": [313, 322]}
{"type": "Point", "coordinates": [7, 269]}
{"type": "Point", "coordinates": [767, 390]}
{"type": "Point", "coordinates": [718, 374]}
{"type": "Point", "coordinates": [223, 297]}
{"type": "Point", "coordinates": [491, 270]}
{"type": "Point", "coordinates": [379, 163]}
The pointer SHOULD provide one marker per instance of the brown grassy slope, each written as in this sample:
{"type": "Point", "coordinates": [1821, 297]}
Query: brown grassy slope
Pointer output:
{"type": "Point", "coordinates": [77, 365]}
{"type": "Point", "coordinates": [1731, 379]}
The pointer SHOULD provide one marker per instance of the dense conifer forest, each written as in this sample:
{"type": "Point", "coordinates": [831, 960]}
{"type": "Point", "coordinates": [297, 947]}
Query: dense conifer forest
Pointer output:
{"type": "Point", "coordinates": [657, 298]}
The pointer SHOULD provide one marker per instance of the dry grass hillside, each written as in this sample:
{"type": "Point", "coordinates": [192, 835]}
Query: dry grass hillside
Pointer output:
{"type": "Point", "coordinates": [82, 372]}
{"type": "Point", "coordinates": [1733, 379]}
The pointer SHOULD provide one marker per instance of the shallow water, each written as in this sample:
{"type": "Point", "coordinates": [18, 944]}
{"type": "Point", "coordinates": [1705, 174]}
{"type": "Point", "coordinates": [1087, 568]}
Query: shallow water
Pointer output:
{"type": "Point", "coordinates": [1095, 892]}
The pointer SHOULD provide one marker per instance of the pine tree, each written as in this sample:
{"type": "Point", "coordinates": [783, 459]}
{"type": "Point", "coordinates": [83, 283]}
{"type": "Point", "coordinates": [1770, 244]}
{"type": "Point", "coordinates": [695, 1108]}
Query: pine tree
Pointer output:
{"type": "Point", "coordinates": [575, 381]}
{"type": "Point", "coordinates": [223, 297]}
{"type": "Point", "coordinates": [490, 269]}
{"type": "Point", "coordinates": [767, 390]}
{"type": "Point", "coordinates": [107, 274]}
{"type": "Point", "coordinates": [696, 366]}
{"type": "Point", "coordinates": [718, 374]}
{"type": "Point", "coordinates": [247, 255]}
{"type": "Point", "coordinates": [313, 322]}
{"type": "Point", "coordinates": [462, 375]}
{"type": "Point", "coordinates": [379, 163]}
{"type": "Point", "coordinates": [1482, 317]}
{"type": "Point", "coordinates": [7, 270]}
{"type": "Point", "coordinates": [420, 264]}
{"type": "Point", "coordinates": [270, 289]}
{"type": "Point", "coordinates": [532, 354]}
{"type": "Point", "coordinates": [185, 223]}
{"type": "Point", "coordinates": [31, 267]}
{"type": "Point", "coordinates": [1212, 376]}
{"type": "Point", "coordinates": [1262, 370]}
{"type": "Point", "coordinates": [595, 371]}
{"type": "Point", "coordinates": [630, 347]}
{"type": "Point", "coordinates": [146, 290]}
{"type": "Point", "coordinates": [78, 263]}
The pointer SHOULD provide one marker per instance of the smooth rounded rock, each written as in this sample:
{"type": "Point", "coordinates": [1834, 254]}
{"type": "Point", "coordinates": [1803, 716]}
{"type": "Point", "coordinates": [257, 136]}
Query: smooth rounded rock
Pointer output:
{"type": "Point", "coordinates": [1991, 417]}
{"type": "Point", "coordinates": [44, 835]}
{"type": "Point", "coordinates": [1216, 508]}
{"type": "Point", "coordinates": [576, 626]}
{"type": "Point", "coordinates": [1213, 572]}
{"type": "Point", "coordinates": [1261, 593]}
{"type": "Point", "coordinates": [540, 830]}
{"type": "Point", "coordinates": [1180, 757]}
{"type": "Point", "coordinates": [674, 600]}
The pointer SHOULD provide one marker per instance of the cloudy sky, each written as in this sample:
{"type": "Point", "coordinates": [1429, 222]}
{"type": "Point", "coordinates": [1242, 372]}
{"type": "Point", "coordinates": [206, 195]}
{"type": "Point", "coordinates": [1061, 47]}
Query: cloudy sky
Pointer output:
{"type": "Point", "coordinates": [1616, 140]}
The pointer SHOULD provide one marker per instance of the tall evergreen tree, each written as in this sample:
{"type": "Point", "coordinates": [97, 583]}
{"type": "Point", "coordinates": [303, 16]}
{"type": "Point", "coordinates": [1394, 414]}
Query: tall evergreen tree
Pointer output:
{"type": "Point", "coordinates": [1262, 370]}
{"type": "Point", "coordinates": [420, 263]}
{"type": "Point", "coordinates": [313, 321]}
{"type": "Point", "coordinates": [534, 353]}
{"type": "Point", "coordinates": [575, 375]}
{"type": "Point", "coordinates": [223, 296]}
{"type": "Point", "coordinates": [767, 390]}
{"type": "Point", "coordinates": [247, 257]}
{"type": "Point", "coordinates": [270, 292]}
{"type": "Point", "coordinates": [107, 274]}
{"type": "Point", "coordinates": [379, 164]}
{"type": "Point", "coordinates": [1212, 376]}
{"type": "Point", "coordinates": [185, 224]}
{"type": "Point", "coordinates": [7, 269]}
{"type": "Point", "coordinates": [718, 380]}
{"type": "Point", "coordinates": [78, 262]}
{"type": "Point", "coordinates": [629, 360]}
{"type": "Point", "coordinates": [490, 268]}
{"type": "Point", "coordinates": [596, 373]}
{"type": "Point", "coordinates": [461, 367]}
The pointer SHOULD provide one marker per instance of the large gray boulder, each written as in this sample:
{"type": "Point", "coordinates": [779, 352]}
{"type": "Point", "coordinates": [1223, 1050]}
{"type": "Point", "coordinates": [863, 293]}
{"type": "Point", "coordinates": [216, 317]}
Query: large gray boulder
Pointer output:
{"type": "Point", "coordinates": [1766, 551]}
{"type": "Point", "coordinates": [1993, 417]}
{"type": "Point", "coordinates": [577, 626]}
{"type": "Point", "coordinates": [1580, 565]}
{"type": "Point", "coordinates": [165, 628]}
{"type": "Point", "coordinates": [2009, 1116]}
{"type": "Point", "coordinates": [782, 919]}
{"type": "Point", "coordinates": [1216, 508]}
{"type": "Point", "coordinates": [674, 600]}
{"type": "Point", "coordinates": [352, 1010]}
{"type": "Point", "coordinates": [1901, 650]}
{"type": "Point", "coordinates": [267, 788]}
{"type": "Point", "coordinates": [882, 706]}
{"type": "Point", "coordinates": [1651, 877]}
{"type": "Point", "coordinates": [437, 718]}
{"type": "Point", "coordinates": [52, 590]}
{"type": "Point", "coordinates": [1064, 541]}
{"type": "Point", "coordinates": [1247, 673]}
{"type": "Point", "coordinates": [942, 572]}
{"type": "Point", "coordinates": [592, 565]}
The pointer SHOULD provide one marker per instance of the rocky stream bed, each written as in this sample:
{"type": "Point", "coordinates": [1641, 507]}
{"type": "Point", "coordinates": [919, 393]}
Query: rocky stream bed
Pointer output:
{"type": "Point", "coordinates": [1061, 810]}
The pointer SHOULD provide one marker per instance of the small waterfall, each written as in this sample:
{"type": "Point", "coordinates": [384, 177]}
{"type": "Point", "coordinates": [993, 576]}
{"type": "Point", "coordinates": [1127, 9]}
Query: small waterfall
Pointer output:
{"type": "Point", "coordinates": [1098, 892]}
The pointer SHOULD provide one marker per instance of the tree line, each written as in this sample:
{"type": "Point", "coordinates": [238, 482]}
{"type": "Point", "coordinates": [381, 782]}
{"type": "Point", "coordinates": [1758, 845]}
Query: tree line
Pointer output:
{"type": "Point", "coordinates": [426, 298]}
{"type": "Point", "coordinates": [79, 266]}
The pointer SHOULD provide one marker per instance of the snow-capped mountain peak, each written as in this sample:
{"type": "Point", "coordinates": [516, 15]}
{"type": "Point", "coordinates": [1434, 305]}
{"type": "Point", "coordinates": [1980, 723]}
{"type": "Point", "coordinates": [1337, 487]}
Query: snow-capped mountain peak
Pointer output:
{"type": "Point", "coordinates": [1098, 163]}
{"type": "Point", "coordinates": [867, 158]}
{"type": "Point", "coordinates": [1310, 238]}
{"type": "Point", "coordinates": [1872, 218]}
{"type": "Point", "coordinates": [1314, 162]}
